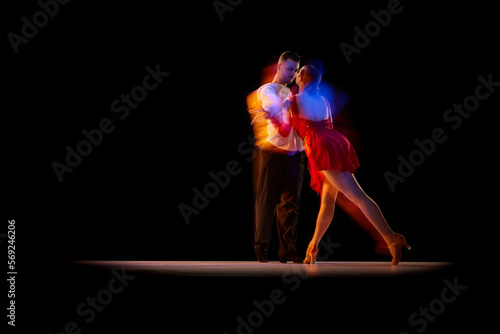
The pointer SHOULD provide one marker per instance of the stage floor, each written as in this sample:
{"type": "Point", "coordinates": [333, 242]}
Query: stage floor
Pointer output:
{"type": "Point", "coordinates": [224, 296]}
{"type": "Point", "coordinates": [256, 269]}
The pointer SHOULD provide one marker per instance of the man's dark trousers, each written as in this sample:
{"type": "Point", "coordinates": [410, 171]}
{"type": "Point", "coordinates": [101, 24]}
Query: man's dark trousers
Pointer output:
{"type": "Point", "coordinates": [278, 181]}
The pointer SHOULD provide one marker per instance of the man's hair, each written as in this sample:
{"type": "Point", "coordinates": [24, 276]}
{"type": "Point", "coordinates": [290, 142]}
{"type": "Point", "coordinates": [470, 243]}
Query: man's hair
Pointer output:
{"type": "Point", "coordinates": [289, 55]}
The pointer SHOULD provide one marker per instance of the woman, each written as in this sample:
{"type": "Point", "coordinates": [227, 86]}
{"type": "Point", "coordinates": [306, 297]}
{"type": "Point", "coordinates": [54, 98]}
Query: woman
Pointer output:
{"type": "Point", "coordinates": [332, 161]}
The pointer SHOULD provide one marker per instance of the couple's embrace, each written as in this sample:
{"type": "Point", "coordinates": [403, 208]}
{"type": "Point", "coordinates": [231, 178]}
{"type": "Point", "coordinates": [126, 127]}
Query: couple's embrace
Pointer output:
{"type": "Point", "coordinates": [288, 127]}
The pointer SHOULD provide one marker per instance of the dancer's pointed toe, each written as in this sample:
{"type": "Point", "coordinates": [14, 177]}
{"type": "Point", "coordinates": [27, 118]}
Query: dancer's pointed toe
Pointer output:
{"type": "Point", "coordinates": [312, 252]}
{"type": "Point", "coordinates": [397, 242]}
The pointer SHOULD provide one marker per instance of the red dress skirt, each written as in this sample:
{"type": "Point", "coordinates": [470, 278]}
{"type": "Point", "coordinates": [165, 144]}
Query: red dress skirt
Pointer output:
{"type": "Point", "coordinates": [325, 147]}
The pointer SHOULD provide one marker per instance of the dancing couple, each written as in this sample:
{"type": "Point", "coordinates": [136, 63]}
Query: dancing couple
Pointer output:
{"type": "Point", "coordinates": [285, 126]}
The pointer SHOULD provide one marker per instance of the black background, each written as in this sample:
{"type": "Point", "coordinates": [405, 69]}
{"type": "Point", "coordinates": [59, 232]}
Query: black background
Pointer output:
{"type": "Point", "coordinates": [121, 202]}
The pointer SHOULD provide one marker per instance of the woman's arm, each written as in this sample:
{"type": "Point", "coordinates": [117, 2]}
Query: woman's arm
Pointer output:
{"type": "Point", "coordinates": [284, 126]}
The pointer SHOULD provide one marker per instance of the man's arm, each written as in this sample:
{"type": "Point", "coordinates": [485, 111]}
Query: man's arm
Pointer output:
{"type": "Point", "coordinates": [270, 104]}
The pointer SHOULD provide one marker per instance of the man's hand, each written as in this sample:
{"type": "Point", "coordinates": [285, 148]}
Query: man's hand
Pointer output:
{"type": "Point", "coordinates": [261, 115]}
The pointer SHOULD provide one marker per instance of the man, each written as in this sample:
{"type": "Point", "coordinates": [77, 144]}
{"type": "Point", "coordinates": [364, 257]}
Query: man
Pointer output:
{"type": "Point", "coordinates": [279, 165]}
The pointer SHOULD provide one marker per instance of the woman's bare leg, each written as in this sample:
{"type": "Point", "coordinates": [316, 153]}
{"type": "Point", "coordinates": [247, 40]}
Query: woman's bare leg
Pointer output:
{"type": "Point", "coordinates": [346, 183]}
{"type": "Point", "coordinates": [326, 210]}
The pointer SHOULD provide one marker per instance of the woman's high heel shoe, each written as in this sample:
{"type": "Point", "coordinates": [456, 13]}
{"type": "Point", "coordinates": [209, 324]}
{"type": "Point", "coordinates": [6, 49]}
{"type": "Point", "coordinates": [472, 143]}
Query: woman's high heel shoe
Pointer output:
{"type": "Point", "coordinates": [312, 252]}
{"type": "Point", "coordinates": [395, 245]}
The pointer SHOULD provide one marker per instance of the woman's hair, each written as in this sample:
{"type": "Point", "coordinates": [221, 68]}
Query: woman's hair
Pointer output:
{"type": "Point", "coordinates": [311, 77]}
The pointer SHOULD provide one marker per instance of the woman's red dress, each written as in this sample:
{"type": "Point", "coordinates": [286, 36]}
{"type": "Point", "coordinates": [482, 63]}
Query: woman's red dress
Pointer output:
{"type": "Point", "coordinates": [325, 146]}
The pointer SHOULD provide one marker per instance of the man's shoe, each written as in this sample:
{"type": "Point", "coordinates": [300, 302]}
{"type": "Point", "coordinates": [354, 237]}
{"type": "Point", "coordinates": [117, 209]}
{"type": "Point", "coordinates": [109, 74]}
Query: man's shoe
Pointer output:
{"type": "Point", "coordinates": [261, 254]}
{"type": "Point", "coordinates": [293, 256]}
